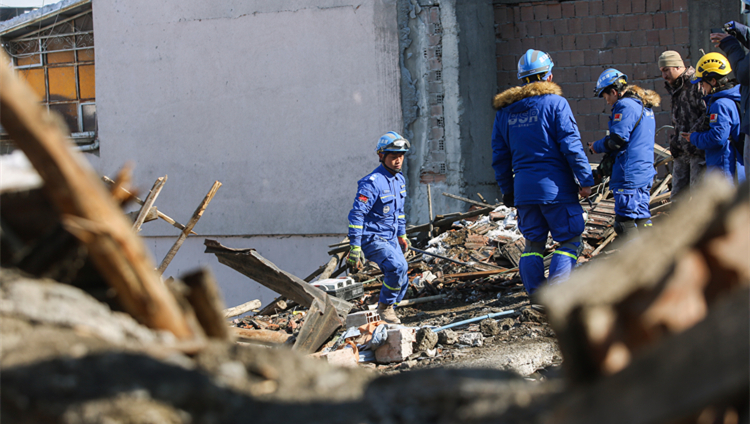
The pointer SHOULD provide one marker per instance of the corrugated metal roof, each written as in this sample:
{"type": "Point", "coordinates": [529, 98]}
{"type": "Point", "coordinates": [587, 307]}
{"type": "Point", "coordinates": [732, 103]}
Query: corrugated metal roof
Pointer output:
{"type": "Point", "coordinates": [44, 16]}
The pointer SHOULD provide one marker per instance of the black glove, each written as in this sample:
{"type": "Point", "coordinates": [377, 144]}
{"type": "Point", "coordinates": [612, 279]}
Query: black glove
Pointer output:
{"type": "Point", "coordinates": [509, 199]}
{"type": "Point", "coordinates": [675, 147]}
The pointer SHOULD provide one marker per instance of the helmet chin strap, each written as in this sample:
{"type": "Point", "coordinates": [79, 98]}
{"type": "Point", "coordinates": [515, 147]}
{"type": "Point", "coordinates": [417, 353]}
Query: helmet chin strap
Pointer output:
{"type": "Point", "coordinates": [391, 170]}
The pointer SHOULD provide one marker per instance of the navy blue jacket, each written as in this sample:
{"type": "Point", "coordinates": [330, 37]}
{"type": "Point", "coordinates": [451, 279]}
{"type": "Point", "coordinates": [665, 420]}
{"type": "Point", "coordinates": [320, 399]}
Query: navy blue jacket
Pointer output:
{"type": "Point", "coordinates": [378, 208]}
{"type": "Point", "coordinates": [724, 121]}
{"type": "Point", "coordinates": [536, 138]}
{"type": "Point", "coordinates": [740, 61]}
{"type": "Point", "coordinates": [634, 161]}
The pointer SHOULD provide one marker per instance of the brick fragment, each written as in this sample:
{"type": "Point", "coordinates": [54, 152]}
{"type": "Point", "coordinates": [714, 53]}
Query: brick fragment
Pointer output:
{"type": "Point", "coordinates": [568, 10]}
{"type": "Point", "coordinates": [582, 8]}
{"type": "Point", "coordinates": [398, 346]}
{"type": "Point", "coordinates": [540, 12]}
{"type": "Point", "coordinates": [624, 6]}
{"type": "Point", "coordinates": [639, 6]}
{"type": "Point", "coordinates": [554, 11]}
{"type": "Point", "coordinates": [527, 13]}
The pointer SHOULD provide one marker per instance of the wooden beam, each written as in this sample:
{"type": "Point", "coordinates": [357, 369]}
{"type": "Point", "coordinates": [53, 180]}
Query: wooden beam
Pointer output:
{"type": "Point", "coordinates": [261, 336]}
{"type": "Point", "coordinates": [193, 220]}
{"type": "Point", "coordinates": [116, 188]}
{"type": "Point", "coordinates": [87, 210]}
{"type": "Point", "coordinates": [241, 309]}
{"type": "Point", "coordinates": [206, 301]}
{"type": "Point", "coordinates": [150, 199]}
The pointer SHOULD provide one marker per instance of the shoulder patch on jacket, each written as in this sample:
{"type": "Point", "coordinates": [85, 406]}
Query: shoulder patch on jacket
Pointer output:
{"type": "Point", "coordinates": [362, 198]}
{"type": "Point", "coordinates": [618, 117]}
{"type": "Point", "coordinates": [714, 118]}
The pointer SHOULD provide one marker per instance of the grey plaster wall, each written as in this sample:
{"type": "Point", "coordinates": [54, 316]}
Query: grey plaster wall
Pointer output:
{"type": "Point", "coordinates": [281, 101]}
{"type": "Point", "coordinates": [478, 84]}
{"type": "Point", "coordinates": [707, 14]}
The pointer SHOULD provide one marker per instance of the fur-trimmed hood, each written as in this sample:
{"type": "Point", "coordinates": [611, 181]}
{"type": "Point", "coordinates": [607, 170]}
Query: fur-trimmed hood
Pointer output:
{"type": "Point", "coordinates": [649, 97]}
{"type": "Point", "coordinates": [515, 94]}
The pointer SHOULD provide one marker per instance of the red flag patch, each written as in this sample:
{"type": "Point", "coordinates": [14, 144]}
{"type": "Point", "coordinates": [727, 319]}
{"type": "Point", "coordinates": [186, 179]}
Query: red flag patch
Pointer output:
{"type": "Point", "coordinates": [714, 117]}
{"type": "Point", "coordinates": [362, 198]}
{"type": "Point", "coordinates": [618, 117]}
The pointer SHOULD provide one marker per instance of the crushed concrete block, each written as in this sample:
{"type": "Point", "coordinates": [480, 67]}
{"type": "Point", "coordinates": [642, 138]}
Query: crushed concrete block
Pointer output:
{"type": "Point", "coordinates": [489, 327]}
{"type": "Point", "coordinates": [343, 357]}
{"type": "Point", "coordinates": [426, 340]}
{"type": "Point", "coordinates": [471, 339]}
{"type": "Point", "coordinates": [397, 347]}
{"type": "Point", "coordinates": [447, 337]}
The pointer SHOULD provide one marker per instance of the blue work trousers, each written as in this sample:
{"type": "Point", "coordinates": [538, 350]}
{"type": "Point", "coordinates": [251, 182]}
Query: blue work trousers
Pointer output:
{"type": "Point", "coordinates": [389, 257]}
{"type": "Point", "coordinates": [633, 203]}
{"type": "Point", "coordinates": [565, 223]}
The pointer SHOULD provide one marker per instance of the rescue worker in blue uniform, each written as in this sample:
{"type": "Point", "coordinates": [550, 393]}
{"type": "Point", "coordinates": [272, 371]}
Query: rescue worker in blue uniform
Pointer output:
{"type": "Point", "coordinates": [541, 168]}
{"type": "Point", "coordinates": [377, 223]}
{"type": "Point", "coordinates": [721, 132]}
{"type": "Point", "coordinates": [631, 141]}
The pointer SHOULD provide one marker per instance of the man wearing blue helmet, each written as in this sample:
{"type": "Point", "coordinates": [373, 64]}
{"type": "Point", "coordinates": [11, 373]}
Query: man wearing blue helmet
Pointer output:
{"type": "Point", "coordinates": [541, 167]}
{"type": "Point", "coordinates": [631, 141]}
{"type": "Point", "coordinates": [377, 224]}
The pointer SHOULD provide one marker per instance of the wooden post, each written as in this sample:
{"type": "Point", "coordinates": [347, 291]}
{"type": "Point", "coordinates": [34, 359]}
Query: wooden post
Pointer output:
{"type": "Point", "coordinates": [138, 200]}
{"type": "Point", "coordinates": [429, 207]}
{"type": "Point", "coordinates": [87, 210]}
{"type": "Point", "coordinates": [206, 301]}
{"type": "Point", "coordinates": [194, 220]}
{"type": "Point", "coordinates": [241, 309]}
{"type": "Point", "coordinates": [150, 199]}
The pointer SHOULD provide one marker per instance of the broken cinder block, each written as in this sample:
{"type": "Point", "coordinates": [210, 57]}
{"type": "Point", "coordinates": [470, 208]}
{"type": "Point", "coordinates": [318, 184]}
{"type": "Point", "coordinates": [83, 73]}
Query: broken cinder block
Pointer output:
{"type": "Point", "coordinates": [398, 346]}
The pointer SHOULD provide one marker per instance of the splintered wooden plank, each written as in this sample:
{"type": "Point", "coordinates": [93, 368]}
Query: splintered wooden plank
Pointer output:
{"type": "Point", "coordinates": [87, 210]}
{"type": "Point", "coordinates": [150, 199]}
{"type": "Point", "coordinates": [251, 264]}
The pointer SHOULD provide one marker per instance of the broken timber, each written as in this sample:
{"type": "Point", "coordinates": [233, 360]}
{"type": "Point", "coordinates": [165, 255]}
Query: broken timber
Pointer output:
{"type": "Point", "coordinates": [87, 210]}
{"type": "Point", "coordinates": [150, 199]}
{"type": "Point", "coordinates": [241, 309]}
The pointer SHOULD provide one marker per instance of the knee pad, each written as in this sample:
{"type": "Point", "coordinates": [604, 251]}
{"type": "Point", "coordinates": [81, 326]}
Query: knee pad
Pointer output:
{"type": "Point", "coordinates": [574, 245]}
{"type": "Point", "coordinates": [534, 247]}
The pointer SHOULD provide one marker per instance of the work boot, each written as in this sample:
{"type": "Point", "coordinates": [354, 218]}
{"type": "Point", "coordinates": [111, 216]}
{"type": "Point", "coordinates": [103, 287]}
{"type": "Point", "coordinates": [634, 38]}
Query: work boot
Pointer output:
{"type": "Point", "coordinates": [387, 313]}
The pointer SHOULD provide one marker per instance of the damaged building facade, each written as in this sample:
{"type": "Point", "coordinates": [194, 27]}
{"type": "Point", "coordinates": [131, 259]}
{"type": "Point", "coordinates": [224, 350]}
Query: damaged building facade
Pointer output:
{"type": "Point", "coordinates": [283, 102]}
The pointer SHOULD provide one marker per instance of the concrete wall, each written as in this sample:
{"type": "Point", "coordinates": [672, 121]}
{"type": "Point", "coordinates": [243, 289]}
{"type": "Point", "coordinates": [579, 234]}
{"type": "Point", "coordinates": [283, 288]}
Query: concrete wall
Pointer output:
{"type": "Point", "coordinates": [281, 101]}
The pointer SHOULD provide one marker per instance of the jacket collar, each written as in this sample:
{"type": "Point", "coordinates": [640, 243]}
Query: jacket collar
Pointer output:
{"type": "Point", "coordinates": [515, 94]}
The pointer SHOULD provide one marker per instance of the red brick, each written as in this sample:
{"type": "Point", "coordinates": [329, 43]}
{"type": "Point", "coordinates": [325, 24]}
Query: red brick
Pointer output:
{"type": "Point", "coordinates": [626, 69]}
{"type": "Point", "coordinates": [520, 30]}
{"type": "Point", "coordinates": [588, 24]}
{"type": "Point", "coordinates": [682, 35]}
{"type": "Point", "coordinates": [573, 104]}
{"type": "Point", "coordinates": [619, 55]}
{"type": "Point", "coordinates": [666, 37]}
{"type": "Point", "coordinates": [569, 42]}
{"type": "Point", "coordinates": [645, 22]}
{"type": "Point", "coordinates": [603, 123]}
{"type": "Point", "coordinates": [510, 14]}
{"type": "Point", "coordinates": [583, 105]}
{"type": "Point", "coordinates": [434, 15]}
{"type": "Point", "coordinates": [574, 90]}
{"type": "Point", "coordinates": [605, 56]}
{"type": "Point", "coordinates": [639, 6]}
{"type": "Point", "coordinates": [685, 19]}
{"type": "Point", "coordinates": [633, 55]}
{"type": "Point", "coordinates": [617, 23]}
{"type": "Point", "coordinates": [631, 23]}
{"type": "Point", "coordinates": [561, 26]}
{"type": "Point", "coordinates": [623, 39]}
{"type": "Point", "coordinates": [582, 8]}
{"type": "Point", "coordinates": [595, 7]}
{"type": "Point", "coordinates": [653, 6]}
{"type": "Point", "coordinates": [562, 58]}
{"type": "Point", "coordinates": [624, 6]}
{"type": "Point", "coordinates": [555, 43]}
{"type": "Point", "coordinates": [660, 20]}
{"type": "Point", "coordinates": [582, 42]}
{"type": "Point", "coordinates": [602, 24]}
{"type": "Point", "coordinates": [533, 29]}
{"type": "Point", "coordinates": [583, 73]}
{"type": "Point", "coordinates": [596, 41]}
{"type": "Point", "coordinates": [576, 58]}
{"type": "Point", "coordinates": [591, 57]}
{"type": "Point", "coordinates": [574, 25]}
{"type": "Point", "coordinates": [609, 8]}
{"type": "Point", "coordinates": [500, 14]}
{"type": "Point", "coordinates": [673, 20]}
{"type": "Point", "coordinates": [642, 71]}
{"type": "Point", "coordinates": [527, 13]}
{"type": "Point", "coordinates": [554, 11]}
{"type": "Point", "coordinates": [652, 37]}
{"type": "Point", "coordinates": [667, 5]}
{"type": "Point", "coordinates": [548, 27]}
{"type": "Point", "coordinates": [507, 31]}
{"type": "Point", "coordinates": [638, 38]}
{"type": "Point", "coordinates": [540, 12]}
{"type": "Point", "coordinates": [568, 10]}
{"type": "Point", "coordinates": [509, 63]}
{"type": "Point", "coordinates": [648, 54]}
{"type": "Point", "coordinates": [528, 43]}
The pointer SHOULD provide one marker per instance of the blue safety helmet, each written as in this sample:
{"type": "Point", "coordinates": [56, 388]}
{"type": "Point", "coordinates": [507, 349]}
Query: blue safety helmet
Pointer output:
{"type": "Point", "coordinates": [745, 7]}
{"type": "Point", "coordinates": [534, 62]}
{"type": "Point", "coordinates": [392, 142]}
{"type": "Point", "coordinates": [610, 78]}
